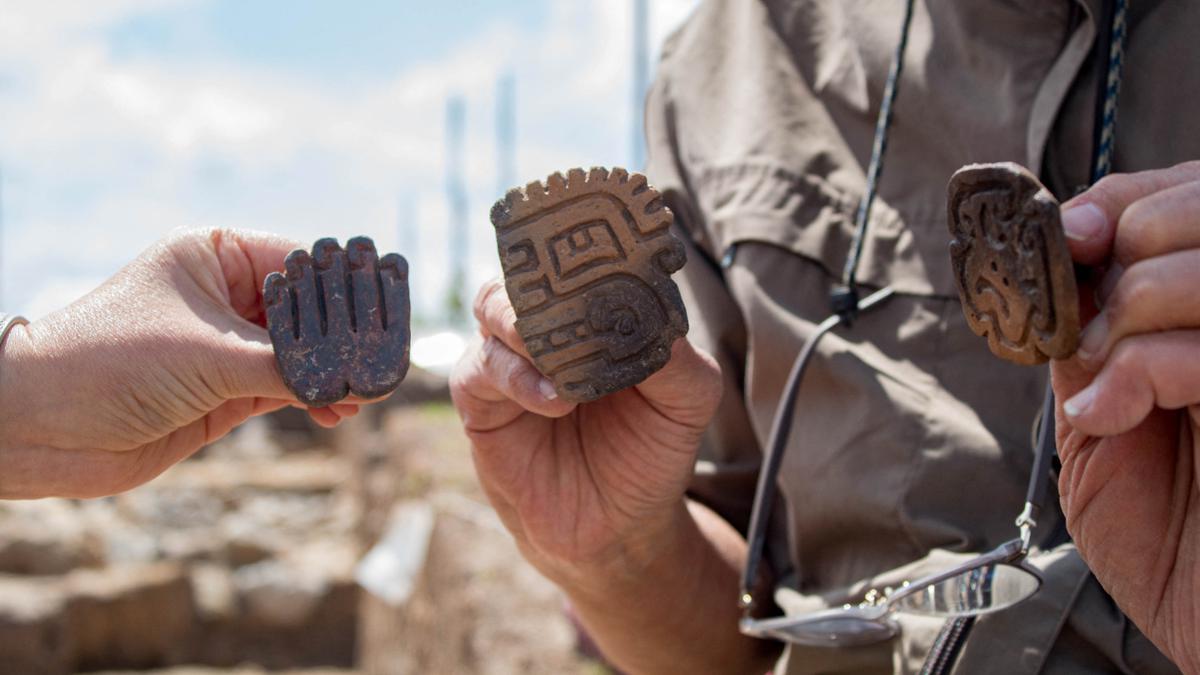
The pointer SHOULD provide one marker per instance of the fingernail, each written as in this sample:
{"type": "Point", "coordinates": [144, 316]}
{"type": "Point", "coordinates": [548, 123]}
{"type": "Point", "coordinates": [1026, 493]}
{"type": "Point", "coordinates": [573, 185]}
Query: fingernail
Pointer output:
{"type": "Point", "coordinates": [546, 387]}
{"type": "Point", "coordinates": [1080, 403]}
{"type": "Point", "coordinates": [1107, 283]}
{"type": "Point", "coordinates": [1083, 222]}
{"type": "Point", "coordinates": [1094, 337]}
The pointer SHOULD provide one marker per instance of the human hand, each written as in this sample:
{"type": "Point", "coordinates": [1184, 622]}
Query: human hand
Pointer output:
{"type": "Point", "coordinates": [587, 490]}
{"type": "Point", "coordinates": [167, 356]}
{"type": "Point", "coordinates": [1129, 402]}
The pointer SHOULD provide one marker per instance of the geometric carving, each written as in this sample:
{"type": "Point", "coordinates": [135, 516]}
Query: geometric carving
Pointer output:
{"type": "Point", "coordinates": [1014, 273]}
{"type": "Point", "coordinates": [339, 321]}
{"type": "Point", "coordinates": [587, 261]}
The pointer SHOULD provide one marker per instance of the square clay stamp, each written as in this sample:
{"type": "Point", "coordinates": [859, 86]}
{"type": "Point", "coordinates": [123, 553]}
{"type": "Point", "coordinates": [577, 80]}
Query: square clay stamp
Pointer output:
{"type": "Point", "coordinates": [1014, 272]}
{"type": "Point", "coordinates": [587, 261]}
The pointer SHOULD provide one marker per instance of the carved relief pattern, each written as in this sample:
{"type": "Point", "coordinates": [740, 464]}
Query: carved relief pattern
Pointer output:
{"type": "Point", "coordinates": [339, 321]}
{"type": "Point", "coordinates": [587, 259]}
{"type": "Point", "coordinates": [1014, 272]}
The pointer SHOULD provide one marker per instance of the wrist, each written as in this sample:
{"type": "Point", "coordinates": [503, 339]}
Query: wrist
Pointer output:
{"type": "Point", "coordinates": [665, 545]}
{"type": "Point", "coordinates": [18, 389]}
{"type": "Point", "coordinates": [670, 604]}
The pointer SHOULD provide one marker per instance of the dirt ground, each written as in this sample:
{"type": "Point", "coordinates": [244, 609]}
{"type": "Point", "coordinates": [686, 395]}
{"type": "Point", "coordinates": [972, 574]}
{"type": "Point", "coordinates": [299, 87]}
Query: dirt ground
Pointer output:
{"type": "Point", "coordinates": [242, 561]}
{"type": "Point", "coordinates": [479, 607]}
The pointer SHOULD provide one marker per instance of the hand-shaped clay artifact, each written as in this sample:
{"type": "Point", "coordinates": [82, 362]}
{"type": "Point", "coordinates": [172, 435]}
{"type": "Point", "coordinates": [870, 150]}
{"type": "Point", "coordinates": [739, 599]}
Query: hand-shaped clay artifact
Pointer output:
{"type": "Point", "coordinates": [339, 321]}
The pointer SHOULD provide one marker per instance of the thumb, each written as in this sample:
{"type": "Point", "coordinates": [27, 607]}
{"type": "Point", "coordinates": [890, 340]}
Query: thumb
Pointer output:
{"type": "Point", "coordinates": [249, 367]}
{"type": "Point", "coordinates": [244, 259]}
{"type": "Point", "coordinates": [688, 388]}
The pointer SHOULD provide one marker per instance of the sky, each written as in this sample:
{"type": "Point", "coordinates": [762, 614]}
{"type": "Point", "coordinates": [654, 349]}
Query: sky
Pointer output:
{"type": "Point", "coordinates": [122, 120]}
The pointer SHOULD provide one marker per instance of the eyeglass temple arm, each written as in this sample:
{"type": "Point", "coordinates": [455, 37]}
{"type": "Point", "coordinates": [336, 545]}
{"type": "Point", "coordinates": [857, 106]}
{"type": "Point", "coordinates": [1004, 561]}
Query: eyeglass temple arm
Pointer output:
{"type": "Point", "coordinates": [780, 431]}
{"type": "Point", "coordinates": [1039, 478]}
{"type": "Point", "coordinates": [1008, 552]}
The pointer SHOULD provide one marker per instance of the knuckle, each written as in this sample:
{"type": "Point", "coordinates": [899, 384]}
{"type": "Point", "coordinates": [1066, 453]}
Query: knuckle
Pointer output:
{"type": "Point", "coordinates": [509, 371]}
{"type": "Point", "coordinates": [1126, 360]}
{"type": "Point", "coordinates": [499, 364]}
{"type": "Point", "coordinates": [1116, 302]}
{"type": "Point", "coordinates": [459, 377]}
{"type": "Point", "coordinates": [467, 366]}
{"type": "Point", "coordinates": [1132, 226]}
{"type": "Point", "coordinates": [1106, 189]}
{"type": "Point", "coordinates": [514, 372]}
{"type": "Point", "coordinates": [462, 386]}
{"type": "Point", "coordinates": [708, 373]}
{"type": "Point", "coordinates": [1134, 292]}
{"type": "Point", "coordinates": [508, 317]}
{"type": "Point", "coordinates": [1189, 197]}
{"type": "Point", "coordinates": [482, 299]}
{"type": "Point", "coordinates": [489, 355]}
{"type": "Point", "coordinates": [716, 385]}
{"type": "Point", "coordinates": [496, 311]}
{"type": "Point", "coordinates": [189, 237]}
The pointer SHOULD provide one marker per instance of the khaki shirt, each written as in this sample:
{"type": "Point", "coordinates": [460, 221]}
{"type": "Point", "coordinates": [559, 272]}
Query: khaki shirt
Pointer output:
{"type": "Point", "coordinates": [911, 445]}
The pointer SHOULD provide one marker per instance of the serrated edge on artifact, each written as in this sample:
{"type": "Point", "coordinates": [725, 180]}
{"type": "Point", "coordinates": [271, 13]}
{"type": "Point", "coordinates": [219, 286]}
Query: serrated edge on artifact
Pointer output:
{"type": "Point", "coordinates": [632, 188]}
{"type": "Point", "coordinates": [652, 219]}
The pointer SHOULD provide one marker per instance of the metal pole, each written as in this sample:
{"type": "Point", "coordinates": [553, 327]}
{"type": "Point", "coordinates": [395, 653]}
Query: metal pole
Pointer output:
{"type": "Point", "coordinates": [641, 77]}
{"type": "Point", "coordinates": [456, 193]}
{"type": "Point", "coordinates": [407, 240]}
{"type": "Point", "coordinates": [506, 133]}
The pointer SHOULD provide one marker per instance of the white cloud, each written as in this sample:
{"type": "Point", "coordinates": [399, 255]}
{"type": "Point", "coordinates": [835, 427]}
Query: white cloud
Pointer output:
{"type": "Point", "coordinates": [27, 27]}
{"type": "Point", "coordinates": [103, 155]}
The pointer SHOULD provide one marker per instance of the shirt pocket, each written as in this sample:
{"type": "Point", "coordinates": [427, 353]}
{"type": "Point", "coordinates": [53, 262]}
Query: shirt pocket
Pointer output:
{"type": "Point", "coordinates": [880, 450]}
{"type": "Point", "coordinates": [812, 214]}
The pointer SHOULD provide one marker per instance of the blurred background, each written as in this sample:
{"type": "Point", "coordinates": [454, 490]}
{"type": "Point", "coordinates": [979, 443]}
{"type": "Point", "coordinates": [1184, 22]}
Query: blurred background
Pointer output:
{"type": "Point", "coordinates": [283, 547]}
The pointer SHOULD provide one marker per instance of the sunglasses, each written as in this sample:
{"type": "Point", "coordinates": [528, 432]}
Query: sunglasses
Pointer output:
{"type": "Point", "coordinates": [986, 583]}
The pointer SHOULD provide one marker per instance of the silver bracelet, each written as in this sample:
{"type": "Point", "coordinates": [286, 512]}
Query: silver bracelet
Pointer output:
{"type": "Point", "coordinates": [9, 322]}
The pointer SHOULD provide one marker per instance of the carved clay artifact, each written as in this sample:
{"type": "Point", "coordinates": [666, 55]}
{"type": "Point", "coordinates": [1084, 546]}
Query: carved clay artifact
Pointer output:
{"type": "Point", "coordinates": [587, 262]}
{"type": "Point", "coordinates": [338, 321]}
{"type": "Point", "coordinates": [1014, 272]}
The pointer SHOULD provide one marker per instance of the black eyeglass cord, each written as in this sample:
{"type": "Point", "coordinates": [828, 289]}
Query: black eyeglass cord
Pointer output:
{"type": "Point", "coordinates": [845, 306]}
{"type": "Point", "coordinates": [781, 430]}
{"type": "Point", "coordinates": [843, 299]}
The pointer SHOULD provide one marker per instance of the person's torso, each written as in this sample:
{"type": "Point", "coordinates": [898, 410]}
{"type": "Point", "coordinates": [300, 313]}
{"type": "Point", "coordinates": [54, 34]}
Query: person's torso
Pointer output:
{"type": "Point", "coordinates": [908, 436]}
